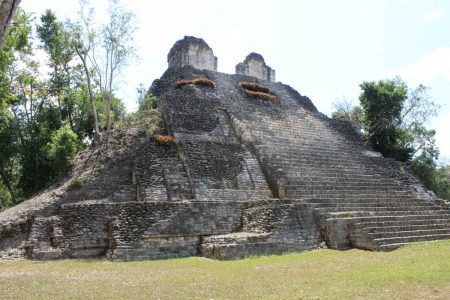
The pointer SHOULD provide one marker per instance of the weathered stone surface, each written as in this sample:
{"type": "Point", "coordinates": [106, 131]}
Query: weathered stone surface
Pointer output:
{"type": "Point", "coordinates": [192, 51]}
{"type": "Point", "coordinates": [245, 177]}
{"type": "Point", "coordinates": [255, 66]}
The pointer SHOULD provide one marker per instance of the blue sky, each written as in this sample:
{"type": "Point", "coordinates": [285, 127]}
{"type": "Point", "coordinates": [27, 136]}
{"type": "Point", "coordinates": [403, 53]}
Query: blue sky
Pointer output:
{"type": "Point", "coordinates": [324, 49]}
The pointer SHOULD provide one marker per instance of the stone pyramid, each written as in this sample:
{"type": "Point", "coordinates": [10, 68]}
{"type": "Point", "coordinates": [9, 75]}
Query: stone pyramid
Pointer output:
{"type": "Point", "coordinates": [242, 165]}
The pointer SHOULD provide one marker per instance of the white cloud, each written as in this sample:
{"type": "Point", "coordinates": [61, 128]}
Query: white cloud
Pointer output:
{"type": "Point", "coordinates": [435, 14]}
{"type": "Point", "coordinates": [434, 10]}
{"type": "Point", "coordinates": [361, 11]}
{"type": "Point", "coordinates": [432, 66]}
{"type": "Point", "coordinates": [442, 135]}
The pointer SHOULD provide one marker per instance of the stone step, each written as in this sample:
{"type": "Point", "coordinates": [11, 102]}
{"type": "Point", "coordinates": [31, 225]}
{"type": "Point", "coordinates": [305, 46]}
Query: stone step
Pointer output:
{"type": "Point", "coordinates": [334, 177]}
{"type": "Point", "coordinates": [345, 194]}
{"type": "Point", "coordinates": [392, 204]}
{"type": "Point", "coordinates": [325, 170]}
{"type": "Point", "coordinates": [295, 182]}
{"type": "Point", "coordinates": [392, 246]}
{"type": "Point", "coordinates": [387, 209]}
{"type": "Point", "coordinates": [406, 227]}
{"type": "Point", "coordinates": [385, 213]}
{"type": "Point", "coordinates": [355, 198]}
{"type": "Point", "coordinates": [445, 221]}
{"type": "Point", "coordinates": [403, 218]}
{"type": "Point", "coordinates": [233, 194]}
{"type": "Point", "coordinates": [412, 238]}
{"type": "Point", "coordinates": [299, 180]}
{"type": "Point", "coordinates": [319, 187]}
{"type": "Point", "coordinates": [408, 233]}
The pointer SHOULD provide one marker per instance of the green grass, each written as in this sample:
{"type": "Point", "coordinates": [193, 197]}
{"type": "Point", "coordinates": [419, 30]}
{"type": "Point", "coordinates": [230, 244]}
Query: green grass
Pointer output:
{"type": "Point", "coordinates": [420, 271]}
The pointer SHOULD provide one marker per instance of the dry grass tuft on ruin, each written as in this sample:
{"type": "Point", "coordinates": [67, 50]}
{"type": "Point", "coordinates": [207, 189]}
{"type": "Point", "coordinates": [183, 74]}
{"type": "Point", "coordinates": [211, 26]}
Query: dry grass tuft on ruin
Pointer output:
{"type": "Point", "coordinates": [164, 139]}
{"type": "Point", "coordinates": [202, 81]}
{"type": "Point", "coordinates": [261, 95]}
{"type": "Point", "coordinates": [254, 87]}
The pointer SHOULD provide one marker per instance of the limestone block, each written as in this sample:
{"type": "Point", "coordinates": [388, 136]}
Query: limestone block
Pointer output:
{"type": "Point", "coordinates": [255, 66]}
{"type": "Point", "coordinates": [194, 52]}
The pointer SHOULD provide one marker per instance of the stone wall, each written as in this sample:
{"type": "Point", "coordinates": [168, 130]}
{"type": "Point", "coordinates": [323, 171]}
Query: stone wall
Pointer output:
{"type": "Point", "coordinates": [194, 52]}
{"type": "Point", "coordinates": [158, 229]}
{"type": "Point", "coordinates": [255, 66]}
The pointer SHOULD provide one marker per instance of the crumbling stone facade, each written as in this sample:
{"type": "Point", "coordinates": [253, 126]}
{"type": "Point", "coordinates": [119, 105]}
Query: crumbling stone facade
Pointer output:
{"type": "Point", "coordinates": [192, 51]}
{"type": "Point", "coordinates": [255, 66]}
{"type": "Point", "coordinates": [245, 176]}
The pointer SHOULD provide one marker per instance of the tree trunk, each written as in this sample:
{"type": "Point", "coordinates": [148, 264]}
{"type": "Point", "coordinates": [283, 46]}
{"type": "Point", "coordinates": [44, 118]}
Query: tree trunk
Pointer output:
{"type": "Point", "coordinates": [91, 96]}
{"type": "Point", "coordinates": [59, 110]}
{"type": "Point", "coordinates": [7, 10]}
{"type": "Point", "coordinates": [107, 104]}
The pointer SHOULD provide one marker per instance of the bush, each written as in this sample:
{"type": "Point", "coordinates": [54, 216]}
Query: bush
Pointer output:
{"type": "Point", "coordinates": [62, 148]}
{"type": "Point", "coordinates": [164, 139]}
{"type": "Point", "coordinates": [261, 95]}
{"type": "Point", "coordinates": [203, 81]}
{"type": "Point", "coordinates": [75, 184]}
{"type": "Point", "coordinates": [255, 87]}
{"type": "Point", "coordinates": [147, 102]}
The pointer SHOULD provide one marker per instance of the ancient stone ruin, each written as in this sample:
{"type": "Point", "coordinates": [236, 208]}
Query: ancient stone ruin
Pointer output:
{"type": "Point", "coordinates": [255, 66]}
{"type": "Point", "coordinates": [240, 166]}
{"type": "Point", "coordinates": [194, 52]}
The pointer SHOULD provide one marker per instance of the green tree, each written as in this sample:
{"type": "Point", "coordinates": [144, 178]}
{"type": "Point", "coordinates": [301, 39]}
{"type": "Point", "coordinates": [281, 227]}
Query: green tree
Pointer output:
{"type": "Point", "coordinates": [382, 103]}
{"type": "Point", "coordinates": [345, 110]}
{"type": "Point", "coordinates": [393, 120]}
{"type": "Point", "coordinates": [145, 100]}
{"type": "Point", "coordinates": [114, 52]}
{"type": "Point", "coordinates": [16, 44]}
{"type": "Point", "coordinates": [83, 38]}
{"type": "Point", "coordinates": [62, 148]}
{"type": "Point", "coordinates": [8, 155]}
{"type": "Point", "coordinates": [56, 42]}
{"type": "Point", "coordinates": [442, 182]}
{"type": "Point", "coordinates": [7, 10]}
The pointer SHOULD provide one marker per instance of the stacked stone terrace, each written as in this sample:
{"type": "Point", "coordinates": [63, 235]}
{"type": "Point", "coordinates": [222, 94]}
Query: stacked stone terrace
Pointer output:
{"type": "Point", "coordinates": [247, 175]}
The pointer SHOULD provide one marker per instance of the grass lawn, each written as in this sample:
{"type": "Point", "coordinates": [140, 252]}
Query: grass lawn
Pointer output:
{"type": "Point", "coordinates": [420, 271]}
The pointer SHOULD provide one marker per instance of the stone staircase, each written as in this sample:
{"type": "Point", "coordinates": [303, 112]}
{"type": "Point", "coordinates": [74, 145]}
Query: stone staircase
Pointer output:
{"type": "Point", "coordinates": [159, 174]}
{"type": "Point", "coordinates": [353, 192]}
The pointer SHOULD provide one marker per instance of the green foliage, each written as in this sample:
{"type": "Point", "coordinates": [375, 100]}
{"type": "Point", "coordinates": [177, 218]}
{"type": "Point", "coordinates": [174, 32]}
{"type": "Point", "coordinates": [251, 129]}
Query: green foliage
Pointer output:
{"type": "Point", "coordinates": [146, 100]}
{"type": "Point", "coordinates": [62, 148]}
{"type": "Point", "coordinates": [424, 167]}
{"type": "Point", "coordinates": [75, 184]}
{"type": "Point", "coordinates": [17, 40]}
{"type": "Point", "coordinates": [56, 42]}
{"type": "Point", "coordinates": [46, 118]}
{"type": "Point", "coordinates": [393, 120]}
{"type": "Point", "coordinates": [382, 103]}
{"type": "Point", "coordinates": [148, 116]}
{"type": "Point", "coordinates": [345, 111]}
{"type": "Point", "coordinates": [17, 44]}
{"type": "Point", "coordinates": [117, 109]}
{"type": "Point", "coordinates": [147, 119]}
{"type": "Point", "coordinates": [147, 103]}
{"type": "Point", "coordinates": [442, 182]}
